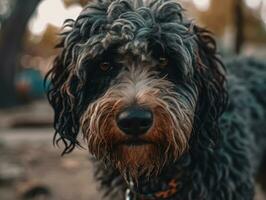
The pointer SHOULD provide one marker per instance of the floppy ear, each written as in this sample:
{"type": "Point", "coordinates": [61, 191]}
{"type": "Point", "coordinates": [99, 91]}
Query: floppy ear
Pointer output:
{"type": "Point", "coordinates": [210, 77]}
{"type": "Point", "coordinates": [68, 79]}
{"type": "Point", "coordinates": [64, 92]}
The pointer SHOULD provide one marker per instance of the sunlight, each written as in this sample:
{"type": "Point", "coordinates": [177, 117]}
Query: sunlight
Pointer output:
{"type": "Point", "coordinates": [263, 12]}
{"type": "Point", "coordinates": [4, 7]}
{"type": "Point", "coordinates": [254, 4]}
{"type": "Point", "coordinates": [202, 5]}
{"type": "Point", "coordinates": [52, 12]}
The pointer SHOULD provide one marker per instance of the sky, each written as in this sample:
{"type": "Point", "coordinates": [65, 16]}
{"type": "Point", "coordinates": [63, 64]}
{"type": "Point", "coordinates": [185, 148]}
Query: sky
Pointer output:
{"type": "Point", "coordinates": [54, 12]}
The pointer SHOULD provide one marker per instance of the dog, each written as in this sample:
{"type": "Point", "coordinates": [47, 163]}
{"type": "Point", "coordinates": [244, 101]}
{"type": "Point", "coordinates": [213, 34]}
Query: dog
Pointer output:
{"type": "Point", "coordinates": [162, 114]}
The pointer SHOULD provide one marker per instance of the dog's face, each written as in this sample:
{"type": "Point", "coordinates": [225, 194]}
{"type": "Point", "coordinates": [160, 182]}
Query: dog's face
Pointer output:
{"type": "Point", "coordinates": [135, 79]}
{"type": "Point", "coordinates": [143, 116]}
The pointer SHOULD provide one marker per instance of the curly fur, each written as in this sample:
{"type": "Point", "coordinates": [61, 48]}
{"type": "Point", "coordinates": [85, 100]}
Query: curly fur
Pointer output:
{"type": "Point", "coordinates": [208, 150]}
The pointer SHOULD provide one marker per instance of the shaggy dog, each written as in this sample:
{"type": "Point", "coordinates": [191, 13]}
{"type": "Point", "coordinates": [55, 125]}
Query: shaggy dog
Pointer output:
{"type": "Point", "coordinates": [148, 90]}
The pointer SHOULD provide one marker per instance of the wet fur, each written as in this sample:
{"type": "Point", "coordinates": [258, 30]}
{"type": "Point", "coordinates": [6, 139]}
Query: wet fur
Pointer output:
{"type": "Point", "coordinates": [209, 142]}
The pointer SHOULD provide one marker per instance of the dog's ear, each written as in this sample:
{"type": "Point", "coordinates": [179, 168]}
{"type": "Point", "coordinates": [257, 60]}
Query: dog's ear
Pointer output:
{"type": "Point", "coordinates": [210, 77]}
{"type": "Point", "coordinates": [64, 92]}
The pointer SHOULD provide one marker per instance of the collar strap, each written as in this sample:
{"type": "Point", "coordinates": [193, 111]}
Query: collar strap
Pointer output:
{"type": "Point", "coordinates": [169, 192]}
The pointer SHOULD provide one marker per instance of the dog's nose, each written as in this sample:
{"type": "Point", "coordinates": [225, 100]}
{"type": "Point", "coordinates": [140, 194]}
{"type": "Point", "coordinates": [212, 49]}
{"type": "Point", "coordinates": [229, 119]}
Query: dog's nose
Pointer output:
{"type": "Point", "coordinates": [135, 121]}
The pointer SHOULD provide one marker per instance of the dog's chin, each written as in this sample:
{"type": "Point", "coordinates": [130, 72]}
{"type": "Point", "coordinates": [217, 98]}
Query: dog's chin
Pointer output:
{"type": "Point", "coordinates": [136, 154]}
{"type": "Point", "coordinates": [138, 159]}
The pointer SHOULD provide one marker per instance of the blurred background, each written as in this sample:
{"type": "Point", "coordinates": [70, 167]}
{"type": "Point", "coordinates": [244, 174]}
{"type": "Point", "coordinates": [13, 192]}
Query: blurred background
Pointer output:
{"type": "Point", "coordinates": [30, 167]}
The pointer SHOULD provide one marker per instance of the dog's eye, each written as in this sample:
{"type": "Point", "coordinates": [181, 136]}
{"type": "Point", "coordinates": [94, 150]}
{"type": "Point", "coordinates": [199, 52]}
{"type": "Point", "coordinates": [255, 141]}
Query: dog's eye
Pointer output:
{"type": "Point", "coordinates": [105, 66]}
{"type": "Point", "coordinates": [163, 62]}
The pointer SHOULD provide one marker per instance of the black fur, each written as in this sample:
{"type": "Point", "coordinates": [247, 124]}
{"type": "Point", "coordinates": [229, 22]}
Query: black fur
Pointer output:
{"type": "Point", "coordinates": [228, 139]}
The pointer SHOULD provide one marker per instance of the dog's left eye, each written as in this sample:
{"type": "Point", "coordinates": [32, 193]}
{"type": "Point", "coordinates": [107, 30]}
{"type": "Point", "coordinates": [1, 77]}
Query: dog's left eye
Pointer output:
{"type": "Point", "coordinates": [163, 62]}
{"type": "Point", "coordinates": [105, 66]}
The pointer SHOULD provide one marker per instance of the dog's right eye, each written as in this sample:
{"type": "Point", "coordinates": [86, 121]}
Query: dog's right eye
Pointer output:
{"type": "Point", "coordinates": [105, 66]}
{"type": "Point", "coordinates": [163, 62]}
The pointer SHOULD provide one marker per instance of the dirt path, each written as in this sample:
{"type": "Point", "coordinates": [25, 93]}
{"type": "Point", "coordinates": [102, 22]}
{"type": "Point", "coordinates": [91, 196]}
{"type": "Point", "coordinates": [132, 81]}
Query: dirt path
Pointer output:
{"type": "Point", "coordinates": [29, 163]}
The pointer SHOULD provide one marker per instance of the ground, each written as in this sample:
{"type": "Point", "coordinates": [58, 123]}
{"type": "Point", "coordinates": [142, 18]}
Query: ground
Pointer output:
{"type": "Point", "coordinates": [29, 164]}
{"type": "Point", "coordinates": [31, 168]}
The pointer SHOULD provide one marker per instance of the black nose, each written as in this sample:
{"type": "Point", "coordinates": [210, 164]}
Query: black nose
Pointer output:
{"type": "Point", "coordinates": [135, 121]}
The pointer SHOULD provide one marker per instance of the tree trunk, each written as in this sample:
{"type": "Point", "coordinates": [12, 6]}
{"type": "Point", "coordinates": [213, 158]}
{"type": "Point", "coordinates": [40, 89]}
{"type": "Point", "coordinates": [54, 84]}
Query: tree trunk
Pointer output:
{"type": "Point", "coordinates": [11, 40]}
{"type": "Point", "coordinates": [239, 24]}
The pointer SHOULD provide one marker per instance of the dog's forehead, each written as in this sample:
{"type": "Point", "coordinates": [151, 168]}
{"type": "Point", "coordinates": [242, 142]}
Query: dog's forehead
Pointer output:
{"type": "Point", "coordinates": [136, 58]}
{"type": "Point", "coordinates": [134, 27]}
{"type": "Point", "coordinates": [135, 34]}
